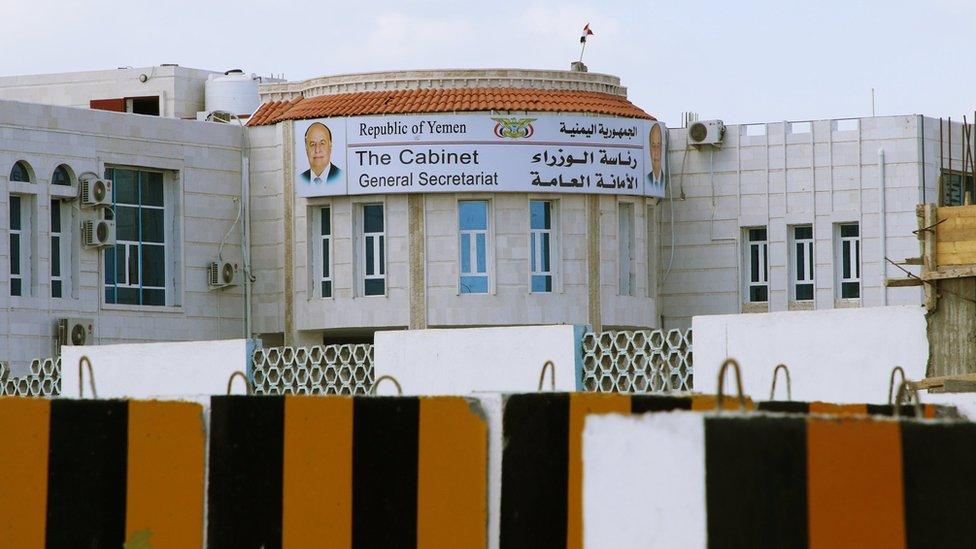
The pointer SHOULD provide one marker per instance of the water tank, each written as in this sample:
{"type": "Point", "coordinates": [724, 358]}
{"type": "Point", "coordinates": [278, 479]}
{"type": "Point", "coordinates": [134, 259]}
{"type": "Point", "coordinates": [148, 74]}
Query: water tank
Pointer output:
{"type": "Point", "coordinates": [234, 92]}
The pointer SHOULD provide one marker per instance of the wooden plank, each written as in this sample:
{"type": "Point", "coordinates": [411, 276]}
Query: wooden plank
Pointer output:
{"type": "Point", "coordinates": [929, 263]}
{"type": "Point", "coordinates": [912, 261]}
{"type": "Point", "coordinates": [902, 282]}
{"type": "Point", "coordinates": [953, 271]}
{"type": "Point", "coordinates": [965, 258]}
{"type": "Point", "coordinates": [933, 382]}
{"type": "Point", "coordinates": [959, 247]}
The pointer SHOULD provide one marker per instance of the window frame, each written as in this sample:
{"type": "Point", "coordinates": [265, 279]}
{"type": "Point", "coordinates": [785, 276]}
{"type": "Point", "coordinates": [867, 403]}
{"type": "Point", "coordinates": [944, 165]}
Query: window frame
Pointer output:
{"type": "Point", "coordinates": [24, 259]}
{"type": "Point", "coordinates": [762, 259]}
{"type": "Point", "coordinates": [632, 249]}
{"type": "Point", "coordinates": [535, 244]}
{"type": "Point", "coordinates": [852, 262]}
{"type": "Point", "coordinates": [966, 183]}
{"type": "Point", "coordinates": [809, 263]}
{"type": "Point", "coordinates": [472, 235]}
{"type": "Point", "coordinates": [324, 252]}
{"type": "Point", "coordinates": [26, 168]}
{"type": "Point", "coordinates": [58, 237]}
{"type": "Point", "coordinates": [380, 247]}
{"type": "Point", "coordinates": [170, 251]}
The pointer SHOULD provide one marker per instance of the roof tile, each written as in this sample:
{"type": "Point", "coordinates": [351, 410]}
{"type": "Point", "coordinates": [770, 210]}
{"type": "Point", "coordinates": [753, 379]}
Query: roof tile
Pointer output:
{"type": "Point", "coordinates": [444, 100]}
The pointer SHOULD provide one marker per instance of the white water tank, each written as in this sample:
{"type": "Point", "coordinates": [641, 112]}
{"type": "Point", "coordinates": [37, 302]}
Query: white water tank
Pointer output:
{"type": "Point", "coordinates": [234, 92]}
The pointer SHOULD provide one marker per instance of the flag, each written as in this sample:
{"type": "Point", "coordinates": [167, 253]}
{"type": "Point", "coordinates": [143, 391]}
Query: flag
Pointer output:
{"type": "Point", "coordinates": [586, 32]}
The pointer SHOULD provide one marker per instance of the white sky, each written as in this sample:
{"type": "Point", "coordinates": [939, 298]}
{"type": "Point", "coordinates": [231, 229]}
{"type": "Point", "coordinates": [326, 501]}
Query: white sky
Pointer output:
{"type": "Point", "coordinates": [756, 61]}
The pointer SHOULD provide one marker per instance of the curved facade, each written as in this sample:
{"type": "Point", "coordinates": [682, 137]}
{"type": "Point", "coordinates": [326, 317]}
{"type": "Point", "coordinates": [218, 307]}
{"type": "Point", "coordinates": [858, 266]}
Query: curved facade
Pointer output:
{"type": "Point", "coordinates": [480, 243]}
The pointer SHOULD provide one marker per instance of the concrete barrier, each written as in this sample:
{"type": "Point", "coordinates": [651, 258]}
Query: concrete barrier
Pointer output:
{"type": "Point", "coordinates": [86, 473]}
{"type": "Point", "coordinates": [758, 480]}
{"type": "Point", "coordinates": [347, 472]}
{"type": "Point", "coordinates": [835, 355]}
{"type": "Point", "coordinates": [461, 361]}
{"type": "Point", "coordinates": [167, 371]}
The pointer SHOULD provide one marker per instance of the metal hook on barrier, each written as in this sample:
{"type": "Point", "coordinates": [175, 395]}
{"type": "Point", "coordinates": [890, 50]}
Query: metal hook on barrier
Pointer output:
{"type": "Point", "coordinates": [905, 391]}
{"type": "Point", "coordinates": [248, 388]}
{"type": "Point", "coordinates": [91, 377]}
{"type": "Point", "coordinates": [372, 390]}
{"type": "Point", "coordinates": [552, 376]}
{"type": "Point", "coordinates": [720, 398]}
{"type": "Point", "coordinates": [891, 381]}
{"type": "Point", "coordinates": [789, 385]}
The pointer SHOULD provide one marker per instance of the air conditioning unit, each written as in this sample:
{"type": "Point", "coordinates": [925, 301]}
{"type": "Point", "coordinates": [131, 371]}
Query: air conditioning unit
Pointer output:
{"type": "Point", "coordinates": [76, 331]}
{"type": "Point", "coordinates": [706, 132]}
{"type": "Point", "coordinates": [221, 274]}
{"type": "Point", "coordinates": [96, 192]}
{"type": "Point", "coordinates": [97, 233]}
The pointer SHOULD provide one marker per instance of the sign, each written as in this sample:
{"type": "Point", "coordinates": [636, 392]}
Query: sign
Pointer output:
{"type": "Point", "coordinates": [480, 153]}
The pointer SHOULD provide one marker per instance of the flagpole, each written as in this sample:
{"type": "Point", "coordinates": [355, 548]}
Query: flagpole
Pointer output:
{"type": "Point", "coordinates": [582, 49]}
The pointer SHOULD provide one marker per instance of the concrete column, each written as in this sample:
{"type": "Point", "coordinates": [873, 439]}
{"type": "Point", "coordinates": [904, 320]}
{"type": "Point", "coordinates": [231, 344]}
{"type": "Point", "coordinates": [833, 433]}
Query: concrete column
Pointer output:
{"type": "Point", "coordinates": [416, 251]}
{"type": "Point", "coordinates": [594, 306]}
{"type": "Point", "coordinates": [288, 195]}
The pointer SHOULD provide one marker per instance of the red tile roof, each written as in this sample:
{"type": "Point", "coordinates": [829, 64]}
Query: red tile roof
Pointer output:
{"type": "Point", "coordinates": [445, 100]}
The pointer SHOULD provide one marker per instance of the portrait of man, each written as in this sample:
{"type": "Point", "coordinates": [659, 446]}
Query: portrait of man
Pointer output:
{"type": "Point", "coordinates": [655, 179]}
{"type": "Point", "coordinates": [318, 147]}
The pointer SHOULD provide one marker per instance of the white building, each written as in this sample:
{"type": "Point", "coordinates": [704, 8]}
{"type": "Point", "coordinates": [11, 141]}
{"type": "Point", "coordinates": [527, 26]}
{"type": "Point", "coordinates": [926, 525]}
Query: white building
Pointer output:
{"type": "Point", "coordinates": [780, 216]}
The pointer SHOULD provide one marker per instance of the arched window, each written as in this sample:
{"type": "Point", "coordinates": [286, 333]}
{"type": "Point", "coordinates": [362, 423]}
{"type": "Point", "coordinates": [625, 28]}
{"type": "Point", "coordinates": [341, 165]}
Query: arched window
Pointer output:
{"type": "Point", "coordinates": [62, 176]}
{"type": "Point", "coordinates": [20, 172]}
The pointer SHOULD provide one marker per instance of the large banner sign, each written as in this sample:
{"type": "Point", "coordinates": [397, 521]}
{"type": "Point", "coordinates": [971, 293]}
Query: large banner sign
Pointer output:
{"type": "Point", "coordinates": [480, 153]}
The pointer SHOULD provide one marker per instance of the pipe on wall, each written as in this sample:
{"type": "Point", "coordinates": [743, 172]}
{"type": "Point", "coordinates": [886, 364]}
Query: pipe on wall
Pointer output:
{"type": "Point", "coordinates": [882, 235]}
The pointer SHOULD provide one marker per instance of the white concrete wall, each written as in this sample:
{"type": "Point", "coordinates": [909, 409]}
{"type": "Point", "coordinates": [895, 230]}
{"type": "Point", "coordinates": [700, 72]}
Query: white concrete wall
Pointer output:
{"type": "Point", "coordinates": [202, 166]}
{"type": "Point", "coordinates": [267, 229]}
{"type": "Point", "coordinates": [783, 178]}
{"type": "Point", "coordinates": [644, 481]}
{"type": "Point", "coordinates": [840, 355]}
{"type": "Point", "coordinates": [181, 89]}
{"type": "Point", "coordinates": [166, 371]}
{"type": "Point", "coordinates": [462, 361]}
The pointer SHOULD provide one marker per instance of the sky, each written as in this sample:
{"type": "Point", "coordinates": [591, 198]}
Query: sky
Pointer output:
{"type": "Point", "coordinates": [742, 62]}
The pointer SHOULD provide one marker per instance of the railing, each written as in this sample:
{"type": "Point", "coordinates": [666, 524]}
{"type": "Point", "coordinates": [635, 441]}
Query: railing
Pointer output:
{"type": "Point", "coordinates": [44, 379]}
{"type": "Point", "coordinates": [644, 361]}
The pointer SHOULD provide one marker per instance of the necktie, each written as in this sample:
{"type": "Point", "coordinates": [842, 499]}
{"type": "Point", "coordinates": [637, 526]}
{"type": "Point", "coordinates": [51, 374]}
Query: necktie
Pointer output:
{"type": "Point", "coordinates": [317, 180]}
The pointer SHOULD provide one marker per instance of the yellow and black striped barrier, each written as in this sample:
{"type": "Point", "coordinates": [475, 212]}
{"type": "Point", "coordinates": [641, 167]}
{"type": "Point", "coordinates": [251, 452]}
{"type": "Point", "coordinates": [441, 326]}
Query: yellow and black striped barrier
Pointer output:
{"type": "Point", "coordinates": [101, 473]}
{"type": "Point", "coordinates": [929, 411]}
{"type": "Point", "coordinates": [297, 471]}
{"type": "Point", "coordinates": [542, 460]}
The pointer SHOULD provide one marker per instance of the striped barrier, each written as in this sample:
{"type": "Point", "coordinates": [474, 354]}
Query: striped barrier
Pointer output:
{"type": "Point", "coordinates": [688, 480]}
{"type": "Point", "coordinates": [297, 471]}
{"type": "Point", "coordinates": [542, 459]}
{"type": "Point", "coordinates": [929, 411]}
{"type": "Point", "coordinates": [101, 473]}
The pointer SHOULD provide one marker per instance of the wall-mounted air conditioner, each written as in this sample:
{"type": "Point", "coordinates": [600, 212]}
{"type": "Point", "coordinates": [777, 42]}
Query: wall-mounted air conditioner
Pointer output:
{"type": "Point", "coordinates": [97, 233]}
{"type": "Point", "coordinates": [706, 132]}
{"type": "Point", "coordinates": [76, 331]}
{"type": "Point", "coordinates": [221, 274]}
{"type": "Point", "coordinates": [96, 192]}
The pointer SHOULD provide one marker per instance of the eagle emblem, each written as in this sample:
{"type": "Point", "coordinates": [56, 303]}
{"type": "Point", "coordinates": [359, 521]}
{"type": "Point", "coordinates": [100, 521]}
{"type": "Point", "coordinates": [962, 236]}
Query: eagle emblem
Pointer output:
{"type": "Point", "coordinates": [513, 128]}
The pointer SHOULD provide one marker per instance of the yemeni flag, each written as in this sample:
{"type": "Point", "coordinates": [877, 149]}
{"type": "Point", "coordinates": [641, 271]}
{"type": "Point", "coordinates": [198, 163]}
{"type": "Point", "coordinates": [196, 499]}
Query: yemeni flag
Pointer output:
{"type": "Point", "coordinates": [586, 32]}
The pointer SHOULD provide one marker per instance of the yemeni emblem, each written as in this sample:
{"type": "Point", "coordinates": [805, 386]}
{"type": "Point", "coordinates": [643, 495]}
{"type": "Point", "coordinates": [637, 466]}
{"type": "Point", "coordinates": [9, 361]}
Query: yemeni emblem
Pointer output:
{"type": "Point", "coordinates": [514, 128]}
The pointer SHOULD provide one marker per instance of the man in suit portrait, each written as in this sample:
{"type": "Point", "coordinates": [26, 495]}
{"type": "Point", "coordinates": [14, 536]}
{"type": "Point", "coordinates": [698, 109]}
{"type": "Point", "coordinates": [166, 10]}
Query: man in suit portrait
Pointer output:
{"type": "Point", "coordinates": [318, 147]}
{"type": "Point", "coordinates": [656, 145]}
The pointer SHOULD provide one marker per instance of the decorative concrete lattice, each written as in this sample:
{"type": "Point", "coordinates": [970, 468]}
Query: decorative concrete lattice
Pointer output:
{"type": "Point", "coordinates": [318, 370]}
{"type": "Point", "coordinates": [637, 362]}
{"type": "Point", "coordinates": [44, 379]}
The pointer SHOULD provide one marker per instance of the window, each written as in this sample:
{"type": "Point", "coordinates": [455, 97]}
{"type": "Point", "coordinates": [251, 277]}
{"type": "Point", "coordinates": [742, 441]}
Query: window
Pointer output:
{"type": "Point", "coordinates": [849, 259]}
{"type": "Point", "coordinates": [954, 188]}
{"type": "Point", "coordinates": [757, 266]}
{"type": "Point", "coordinates": [57, 241]}
{"type": "Point", "coordinates": [541, 215]}
{"type": "Point", "coordinates": [20, 249]}
{"type": "Point", "coordinates": [802, 263]}
{"type": "Point", "coordinates": [625, 243]}
{"type": "Point", "coordinates": [61, 176]}
{"type": "Point", "coordinates": [135, 268]}
{"type": "Point", "coordinates": [325, 236]}
{"type": "Point", "coordinates": [20, 172]}
{"type": "Point", "coordinates": [473, 246]}
{"type": "Point", "coordinates": [372, 245]}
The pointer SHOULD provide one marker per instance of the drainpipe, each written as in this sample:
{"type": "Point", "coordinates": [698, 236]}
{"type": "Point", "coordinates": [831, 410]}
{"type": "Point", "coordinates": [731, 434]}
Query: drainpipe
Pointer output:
{"type": "Point", "coordinates": [883, 238]}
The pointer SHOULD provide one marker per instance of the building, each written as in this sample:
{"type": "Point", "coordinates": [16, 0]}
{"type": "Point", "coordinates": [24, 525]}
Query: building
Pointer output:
{"type": "Point", "coordinates": [461, 198]}
{"type": "Point", "coordinates": [384, 253]}
{"type": "Point", "coordinates": [787, 215]}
